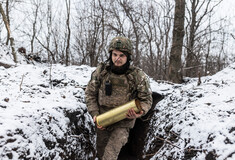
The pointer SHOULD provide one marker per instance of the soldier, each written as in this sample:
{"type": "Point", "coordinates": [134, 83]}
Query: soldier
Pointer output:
{"type": "Point", "coordinates": [112, 84]}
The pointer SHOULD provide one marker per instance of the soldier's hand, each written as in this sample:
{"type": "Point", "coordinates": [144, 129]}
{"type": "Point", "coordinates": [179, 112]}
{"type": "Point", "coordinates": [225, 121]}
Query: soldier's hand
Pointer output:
{"type": "Point", "coordinates": [131, 114]}
{"type": "Point", "coordinates": [99, 127]}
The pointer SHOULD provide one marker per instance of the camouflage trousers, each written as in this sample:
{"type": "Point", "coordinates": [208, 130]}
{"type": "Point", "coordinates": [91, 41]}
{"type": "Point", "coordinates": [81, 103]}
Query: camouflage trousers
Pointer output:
{"type": "Point", "coordinates": [110, 142]}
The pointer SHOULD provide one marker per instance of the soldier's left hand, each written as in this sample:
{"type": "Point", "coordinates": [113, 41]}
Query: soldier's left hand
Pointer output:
{"type": "Point", "coordinates": [131, 114]}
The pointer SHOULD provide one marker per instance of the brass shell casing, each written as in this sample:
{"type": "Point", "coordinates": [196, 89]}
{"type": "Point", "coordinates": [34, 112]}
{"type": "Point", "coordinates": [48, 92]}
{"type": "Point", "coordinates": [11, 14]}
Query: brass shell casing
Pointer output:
{"type": "Point", "coordinates": [117, 114]}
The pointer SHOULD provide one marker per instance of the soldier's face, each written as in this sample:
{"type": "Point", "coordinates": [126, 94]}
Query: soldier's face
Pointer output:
{"type": "Point", "coordinates": [118, 58]}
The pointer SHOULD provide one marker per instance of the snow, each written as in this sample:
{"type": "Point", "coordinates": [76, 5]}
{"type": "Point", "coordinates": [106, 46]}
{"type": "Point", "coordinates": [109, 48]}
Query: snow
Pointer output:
{"type": "Point", "coordinates": [32, 108]}
{"type": "Point", "coordinates": [35, 101]}
{"type": "Point", "coordinates": [201, 116]}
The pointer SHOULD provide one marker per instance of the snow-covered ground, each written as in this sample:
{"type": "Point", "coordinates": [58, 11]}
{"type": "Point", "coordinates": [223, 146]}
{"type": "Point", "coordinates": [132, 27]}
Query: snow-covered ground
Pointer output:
{"type": "Point", "coordinates": [43, 114]}
{"type": "Point", "coordinates": [196, 121]}
{"type": "Point", "coordinates": [34, 105]}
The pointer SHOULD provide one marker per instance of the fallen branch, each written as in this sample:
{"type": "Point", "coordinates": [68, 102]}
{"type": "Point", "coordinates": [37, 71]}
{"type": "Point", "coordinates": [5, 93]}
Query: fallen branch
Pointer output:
{"type": "Point", "coordinates": [75, 136]}
{"type": "Point", "coordinates": [176, 135]}
{"type": "Point", "coordinates": [5, 65]}
{"type": "Point", "coordinates": [169, 142]}
{"type": "Point", "coordinates": [21, 82]}
{"type": "Point", "coordinates": [50, 81]}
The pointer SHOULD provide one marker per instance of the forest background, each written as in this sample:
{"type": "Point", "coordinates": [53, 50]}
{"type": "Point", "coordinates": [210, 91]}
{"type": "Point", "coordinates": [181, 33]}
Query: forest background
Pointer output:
{"type": "Point", "coordinates": [78, 32]}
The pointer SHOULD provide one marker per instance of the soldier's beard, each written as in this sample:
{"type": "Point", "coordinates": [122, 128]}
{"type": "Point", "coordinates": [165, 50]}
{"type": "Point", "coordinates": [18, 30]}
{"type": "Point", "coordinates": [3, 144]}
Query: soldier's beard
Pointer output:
{"type": "Point", "coordinates": [120, 69]}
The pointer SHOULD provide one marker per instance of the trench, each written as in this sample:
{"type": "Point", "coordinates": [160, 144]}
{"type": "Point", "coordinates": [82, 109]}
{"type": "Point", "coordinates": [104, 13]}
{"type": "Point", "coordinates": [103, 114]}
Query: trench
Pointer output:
{"type": "Point", "coordinates": [133, 150]}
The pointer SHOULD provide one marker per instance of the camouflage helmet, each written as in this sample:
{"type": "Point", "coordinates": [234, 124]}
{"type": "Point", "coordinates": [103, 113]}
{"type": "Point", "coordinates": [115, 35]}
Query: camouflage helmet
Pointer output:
{"type": "Point", "coordinates": [122, 44]}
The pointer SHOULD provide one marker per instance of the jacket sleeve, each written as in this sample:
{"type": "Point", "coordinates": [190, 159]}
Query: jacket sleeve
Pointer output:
{"type": "Point", "coordinates": [91, 93]}
{"type": "Point", "coordinates": [144, 93]}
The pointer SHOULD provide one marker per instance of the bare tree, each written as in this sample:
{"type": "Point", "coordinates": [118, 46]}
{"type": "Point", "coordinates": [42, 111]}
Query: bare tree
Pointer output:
{"type": "Point", "coordinates": [48, 33]}
{"type": "Point", "coordinates": [4, 17]}
{"type": "Point", "coordinates": [199, 11]}
{"type": "Point", "coordinates": [92, 35]}
{"type": "Point", "coordinates": [131, 14]}
{"type": "Point", "coordinates": [8, 19]}
{"type": "Point", "coordinates": [156, 24]}
{"type": "Point", "coordinates": [167, 25]}
{"type": "Point", "coordinates": [147, 23]}
{"type": "Point", "coordinates": [68, 5]}
{"type": "Point", "coordinates": [216, 61]}
{"type": "Point", "coordinates": [52, 51]}
{"type": "Point", "coordinates": [8, 5]}
{"type": "Point", "coordinates": [35, 29]}
{"type": "Point", "coordinates": [175, 72]}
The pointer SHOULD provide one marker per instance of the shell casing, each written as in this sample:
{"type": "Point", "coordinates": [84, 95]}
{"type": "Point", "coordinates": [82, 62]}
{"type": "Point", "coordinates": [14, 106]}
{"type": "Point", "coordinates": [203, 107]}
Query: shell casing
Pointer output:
{"type": "Point", "coordinates": [117, 114]}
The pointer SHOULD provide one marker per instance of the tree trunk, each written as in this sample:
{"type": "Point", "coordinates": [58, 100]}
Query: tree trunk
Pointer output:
{"type": "Point", "coordinates": [175, 72]}
{"type": "Point", "coordinates": [69, 33]}
{"type": "Point", "coordinates": [8, 32]}
{"type": "Point", "coordinates": [8, 20]}
{"type": "Point", "coordinates": [190, 59]}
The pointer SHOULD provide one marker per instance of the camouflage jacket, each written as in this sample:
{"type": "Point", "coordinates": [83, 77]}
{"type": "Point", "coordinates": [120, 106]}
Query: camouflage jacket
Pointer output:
{"type": "Point", "coordinates": [134, 84]}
